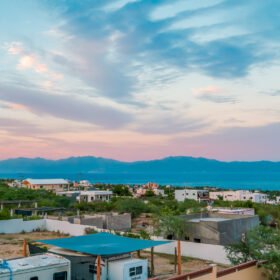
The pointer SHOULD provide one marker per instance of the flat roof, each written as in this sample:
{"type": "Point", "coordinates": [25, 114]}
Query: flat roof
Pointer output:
{"type": "Point", "coordinates": [46, 181]}
{"type": "Point", "coordinates": [93, 192]}
{"type": "Point", "coordinates": [34, 262]}
{"type": "Point", "coordinates": [103, 244]}
{"type": "Point", "coordinates": [210, 219]}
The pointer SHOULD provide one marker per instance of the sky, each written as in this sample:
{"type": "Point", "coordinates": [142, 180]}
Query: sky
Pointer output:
{"type": "Point", "coordinates": [139, 80]}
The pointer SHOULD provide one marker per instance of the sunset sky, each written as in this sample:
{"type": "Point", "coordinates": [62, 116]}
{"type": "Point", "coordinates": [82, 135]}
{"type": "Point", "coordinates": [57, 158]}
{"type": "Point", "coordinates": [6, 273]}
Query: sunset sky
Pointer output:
{"type": "Point", "coordinates": [138, 80]}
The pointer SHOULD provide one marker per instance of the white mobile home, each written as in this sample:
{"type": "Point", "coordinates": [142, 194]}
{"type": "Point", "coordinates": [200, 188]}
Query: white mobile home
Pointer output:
{"type": "Point", "coordinates": [39, 267]}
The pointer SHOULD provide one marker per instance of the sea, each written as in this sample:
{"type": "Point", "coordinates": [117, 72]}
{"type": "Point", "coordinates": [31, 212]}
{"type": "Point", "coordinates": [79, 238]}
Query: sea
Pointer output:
{"type": "Point", "coordinates": [249, 181]}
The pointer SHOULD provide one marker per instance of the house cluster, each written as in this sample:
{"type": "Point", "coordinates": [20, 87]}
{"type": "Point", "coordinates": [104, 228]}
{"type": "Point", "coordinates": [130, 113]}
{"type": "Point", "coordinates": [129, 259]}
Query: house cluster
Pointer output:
{"type": "Point", "coordinates": [239, 195]}
{"type": "Point", "coordinates": [142, 190]}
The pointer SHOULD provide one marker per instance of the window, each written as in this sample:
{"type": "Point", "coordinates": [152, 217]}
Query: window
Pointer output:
{"type": "Point", "coordinates": [139, 270]}
{"type": "Point", "coordinates": [92, 269]}
{"type": "Point", "coordinates": [34, 278]}
{"type": "Point", "coordinates": [135, 271]}
{"type": "Point", "coordinates": [60, 275]}
{"type": "Point", "coordinates": [132, 271]}
{"type": "Point", "coordinates": [197, 240]}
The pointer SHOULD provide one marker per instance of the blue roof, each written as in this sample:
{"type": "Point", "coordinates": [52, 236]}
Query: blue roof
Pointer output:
{"type": "Point", "coordinates": [103, 244]}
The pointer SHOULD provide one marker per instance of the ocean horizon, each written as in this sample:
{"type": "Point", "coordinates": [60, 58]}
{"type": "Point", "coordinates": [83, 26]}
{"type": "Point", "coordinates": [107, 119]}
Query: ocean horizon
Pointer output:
{"type": "Point", "coordinates": [248, 181]}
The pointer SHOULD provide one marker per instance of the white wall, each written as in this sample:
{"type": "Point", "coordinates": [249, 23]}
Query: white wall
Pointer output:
{"type": "Point", "coordinates": [18, 225]}
{"type": "Point", "coordinates": [214, 253]}
{"type": "Point", "coordinates": [66, 227]}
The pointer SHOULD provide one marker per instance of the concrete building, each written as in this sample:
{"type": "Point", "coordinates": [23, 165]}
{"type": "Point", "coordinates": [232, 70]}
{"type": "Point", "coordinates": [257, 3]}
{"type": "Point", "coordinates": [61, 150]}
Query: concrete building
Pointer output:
{"type": "Point", "coordinates": [278, 199]}
{"type": "Point", "coordinates": [95, 195]}
{"type": "Point", "coordinates": [233, 211]}
{"type": "Point", "coordinates": [54, 185]}
{"type": "Point", "coordinates": [241, 195]}
{"type": "Point", "coordinates": [195, 194]}
{"type": "Point", "coordinates": [218, 229]}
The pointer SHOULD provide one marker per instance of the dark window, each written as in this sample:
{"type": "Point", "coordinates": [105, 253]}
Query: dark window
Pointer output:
{"type": "Point", "coordinates": [197, 240]}
{"type": "Point", "coordinates": [139, 270]}
{"type": "Point", "coordinates": [60, 275]}
{"type": "Point", "coordinates": [92, 269]}
{"type": "Point", "coordinates": [135, 271]}
{"type": "Point", "coordinates": [187, 238]}
{"type": "Point", "coordinates": [169, 236]}
{"type": "Point", "coordinates": [34, 278]}
{"type": "Point", "coordinates": [132, 271]}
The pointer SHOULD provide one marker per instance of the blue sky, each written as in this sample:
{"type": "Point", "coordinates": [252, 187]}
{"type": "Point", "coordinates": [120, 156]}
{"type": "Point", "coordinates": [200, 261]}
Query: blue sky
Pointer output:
{"type": "Point", "coordinates": [140, 79]}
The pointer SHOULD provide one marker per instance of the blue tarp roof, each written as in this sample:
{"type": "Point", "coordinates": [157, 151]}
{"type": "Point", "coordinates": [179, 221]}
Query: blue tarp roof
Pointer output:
{"type": "Point", "coordinates": [103, 244]}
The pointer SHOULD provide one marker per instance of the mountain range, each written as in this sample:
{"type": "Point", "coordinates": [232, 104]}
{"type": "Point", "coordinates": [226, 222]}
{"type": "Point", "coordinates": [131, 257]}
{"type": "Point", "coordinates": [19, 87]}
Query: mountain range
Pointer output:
{"type": "Point", "coordinates": [170, 165]}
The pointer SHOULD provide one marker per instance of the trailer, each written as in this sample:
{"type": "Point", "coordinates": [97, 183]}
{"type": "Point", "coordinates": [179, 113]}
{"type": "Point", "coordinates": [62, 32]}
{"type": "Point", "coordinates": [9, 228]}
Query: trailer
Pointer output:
{"type": "Point", "coordinates": [38, 267]}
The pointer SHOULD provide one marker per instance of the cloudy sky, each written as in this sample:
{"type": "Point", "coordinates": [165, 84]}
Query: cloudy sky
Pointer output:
{"type": "Point", "coordinates": [135, 80]}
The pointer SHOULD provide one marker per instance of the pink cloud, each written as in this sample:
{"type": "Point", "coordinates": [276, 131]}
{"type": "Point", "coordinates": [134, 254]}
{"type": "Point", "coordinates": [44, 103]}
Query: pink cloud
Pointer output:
{"type": "Point", "coordinates": [209, 89]}
{"type": "Point", "coordinates": [31, 62]}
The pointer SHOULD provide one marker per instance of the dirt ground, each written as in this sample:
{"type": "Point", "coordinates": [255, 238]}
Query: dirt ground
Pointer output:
{"type": "Point", "coordinates": [164, 264]}
{"type": "Point", "coordinates": [11, 245]}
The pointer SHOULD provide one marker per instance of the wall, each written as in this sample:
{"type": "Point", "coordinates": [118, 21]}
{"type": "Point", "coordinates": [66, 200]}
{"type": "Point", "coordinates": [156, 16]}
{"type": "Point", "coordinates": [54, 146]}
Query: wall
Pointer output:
{"type": "Point", "coordinates": [214, 253]}
{"type": "Point", "coordinates": [118, 221]}
{"type": "Point", "coordinates": [246, 271]}
{"type": "Point", "coordinates": [18, 225]}
{"type": "Point", "coordinates": [253, 273]}
{"type": "Point", "coordinates": [66, 227]}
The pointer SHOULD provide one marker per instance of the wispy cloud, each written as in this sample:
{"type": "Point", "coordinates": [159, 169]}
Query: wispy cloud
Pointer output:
{"type": "Point", "coordinates": [213, 94]}
{"type": "Point", "coordinates": [70, 107]}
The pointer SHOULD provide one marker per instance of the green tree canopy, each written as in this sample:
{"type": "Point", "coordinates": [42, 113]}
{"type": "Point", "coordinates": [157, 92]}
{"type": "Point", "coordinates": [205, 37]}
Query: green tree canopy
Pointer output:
{"type": "Point", "coordinates": [261, 243]}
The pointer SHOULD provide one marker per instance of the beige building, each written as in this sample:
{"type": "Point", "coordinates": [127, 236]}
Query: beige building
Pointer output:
{"type": "Point", "coordinates": [54, 185]}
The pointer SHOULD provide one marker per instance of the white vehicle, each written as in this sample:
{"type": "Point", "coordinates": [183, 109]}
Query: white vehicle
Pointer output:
{"type": "Point", "coordinates": [38, 267]}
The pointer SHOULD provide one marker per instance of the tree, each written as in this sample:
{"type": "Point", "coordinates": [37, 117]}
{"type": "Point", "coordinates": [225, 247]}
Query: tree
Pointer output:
{"type": "Point", "coordinates": [170, 225]}
{"type": "Point", "coordinates": [121, 190]}
{"type": "Point", "coordinates": [261, 243]}
{"type": "Point", "coordinates": [133, 206]}
{"type": "Point", "coordinates": [149, 193]}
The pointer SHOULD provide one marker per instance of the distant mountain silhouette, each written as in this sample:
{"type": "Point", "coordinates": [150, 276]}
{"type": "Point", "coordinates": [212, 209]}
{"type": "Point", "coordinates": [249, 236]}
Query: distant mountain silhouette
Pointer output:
{"type": "Point", "coordinates": [170, 165]}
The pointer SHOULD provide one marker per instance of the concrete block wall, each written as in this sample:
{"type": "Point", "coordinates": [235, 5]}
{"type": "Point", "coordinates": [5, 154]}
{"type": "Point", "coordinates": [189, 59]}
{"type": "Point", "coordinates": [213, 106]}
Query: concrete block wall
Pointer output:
{"type": "Point", "coordinates": [118, 222]}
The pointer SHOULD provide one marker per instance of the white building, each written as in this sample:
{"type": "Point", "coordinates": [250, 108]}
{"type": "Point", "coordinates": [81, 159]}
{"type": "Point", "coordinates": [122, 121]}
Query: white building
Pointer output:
{"type": "Point", "coordinates": [278, 199]}
{"type": "Point", "coordinates": [95, 195]}
{"type": "Point", "coordinates": [240, 195]}
{"type": "Point", "coordinates": [198, 195]}
{"type": "Point", "coordinates": [84, 183]}
{"type": "Point", "coordinates": [46, 184]}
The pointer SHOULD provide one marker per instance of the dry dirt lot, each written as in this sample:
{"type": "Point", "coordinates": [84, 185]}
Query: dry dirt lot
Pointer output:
{"type": "Point", "coordinates": [11, 245]}
{"type": "Point", "coordinates": [164, 264]}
